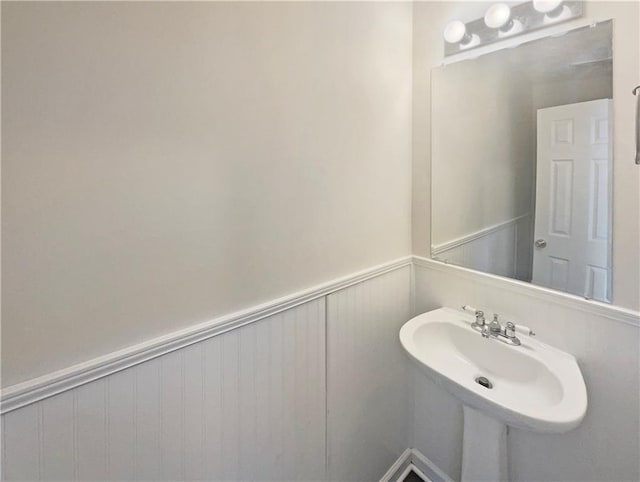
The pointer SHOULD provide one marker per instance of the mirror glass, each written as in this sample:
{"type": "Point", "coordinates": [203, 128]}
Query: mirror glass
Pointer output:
{"type": "Point", "coordinates": [521, 162]}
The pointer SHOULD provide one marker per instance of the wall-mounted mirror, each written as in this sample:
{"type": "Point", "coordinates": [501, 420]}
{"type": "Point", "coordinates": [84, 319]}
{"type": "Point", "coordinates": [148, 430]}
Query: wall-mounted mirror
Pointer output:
{"type": "Point", "coordinates": [521, 162]}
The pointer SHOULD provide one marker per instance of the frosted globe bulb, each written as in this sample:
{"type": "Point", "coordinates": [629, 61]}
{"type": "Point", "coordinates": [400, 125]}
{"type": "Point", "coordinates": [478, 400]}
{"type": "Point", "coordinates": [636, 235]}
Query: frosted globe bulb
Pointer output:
{"type": "Point", "coordinates": [498, 16]}
{"type": "Point", "coordinates": [546, 6]}
{"type": "Point", "coordinates": [455, 32]}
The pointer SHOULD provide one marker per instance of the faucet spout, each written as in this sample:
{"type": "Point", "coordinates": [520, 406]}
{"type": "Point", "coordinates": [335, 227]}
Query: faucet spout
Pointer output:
{"type": "Point", "coordinates": [495, 327]}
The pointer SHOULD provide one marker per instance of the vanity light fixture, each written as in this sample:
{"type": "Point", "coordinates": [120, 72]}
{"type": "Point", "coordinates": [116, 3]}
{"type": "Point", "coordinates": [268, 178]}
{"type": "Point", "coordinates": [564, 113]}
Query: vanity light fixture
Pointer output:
{"type": "Point", "coordinates": [503, 21]}
{"type": "Point", "coordinates": [499, 17]}
{"type": "Point", "coordinates": [553, 10]}
{"type": "Point", "coordinates": [456, 33]}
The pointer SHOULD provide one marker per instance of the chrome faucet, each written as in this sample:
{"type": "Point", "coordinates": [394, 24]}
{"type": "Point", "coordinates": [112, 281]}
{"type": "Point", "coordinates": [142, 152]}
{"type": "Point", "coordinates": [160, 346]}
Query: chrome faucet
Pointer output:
{"type": "Point", "coordinates": [506, 334]}
{"type": "Point", "coordinates": [495, 330]}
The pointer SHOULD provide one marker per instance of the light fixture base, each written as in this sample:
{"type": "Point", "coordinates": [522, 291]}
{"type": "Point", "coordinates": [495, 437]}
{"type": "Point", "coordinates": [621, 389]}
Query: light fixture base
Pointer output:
{"type": "Point", "coordinates": [515, 29]}
{"type": "Point", "coordinates": [564, 14]}
{"type": "Point", "coordinates": [473, 42]}
{"type": "Point", "coordinates": [525, 19]}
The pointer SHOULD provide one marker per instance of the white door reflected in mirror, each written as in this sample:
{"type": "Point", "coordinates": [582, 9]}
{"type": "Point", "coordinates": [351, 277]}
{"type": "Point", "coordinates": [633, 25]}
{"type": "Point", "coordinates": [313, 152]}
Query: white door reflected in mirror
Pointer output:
{"type": "Point", "coordinates": [573, 199]}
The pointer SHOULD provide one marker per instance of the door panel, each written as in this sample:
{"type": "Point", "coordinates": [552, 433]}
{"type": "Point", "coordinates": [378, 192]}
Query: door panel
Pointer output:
{"type": "Point", "coordinates": [561, 193]}
{"type": "Point", "coordinates": [573, 199]}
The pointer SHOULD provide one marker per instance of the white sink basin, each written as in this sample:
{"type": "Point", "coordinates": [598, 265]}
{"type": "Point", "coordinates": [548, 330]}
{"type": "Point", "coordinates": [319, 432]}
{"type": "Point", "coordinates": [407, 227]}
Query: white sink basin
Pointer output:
{"type": "Point", "coordinates": [535, 386]}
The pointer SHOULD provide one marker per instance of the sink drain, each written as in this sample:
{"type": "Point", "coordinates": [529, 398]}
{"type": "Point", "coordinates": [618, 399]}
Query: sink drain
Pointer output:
{"type": "Point", "coordinates": [484, 382]}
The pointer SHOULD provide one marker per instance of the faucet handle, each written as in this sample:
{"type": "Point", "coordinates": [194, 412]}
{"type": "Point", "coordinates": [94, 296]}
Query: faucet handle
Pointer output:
{"type": "Point", "coordinates": [510, 330]}
{"type": "Point", "coordinates": [521, 329]}
{"type": "Point", "coordinates": [510, 333]}
{"type": "Point", "coordinates": [479, 314]}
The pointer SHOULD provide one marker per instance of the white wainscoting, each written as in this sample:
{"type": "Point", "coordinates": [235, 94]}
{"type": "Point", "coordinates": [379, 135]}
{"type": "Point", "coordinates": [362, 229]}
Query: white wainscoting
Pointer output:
{"type": "Point", "coordinates": [503, 249]}
{"type": "Point", "coordinates": [245, 405]}
{"type": "Point", "coordinates": [603, 338]}
{"type": "Point", "coordinates": [57, 382]}
{"type": "Point", "coordinates": [369, 401]}
{"type": "Point", "coordinates": [241, 400]}
{"type": "Point", "coordinates": [316, 387]}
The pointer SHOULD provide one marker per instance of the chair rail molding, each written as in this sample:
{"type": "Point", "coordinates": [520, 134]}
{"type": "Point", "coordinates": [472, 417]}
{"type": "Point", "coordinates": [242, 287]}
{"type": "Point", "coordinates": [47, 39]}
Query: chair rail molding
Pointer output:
{"type": "Point", "coordinates": [481, 233]}
{"type": "Point", "coordinates": [48, 385]}
{"type": "Point", "coordinates": [612, 312]}
{"type": "Point", "coordinates": [36, 389]}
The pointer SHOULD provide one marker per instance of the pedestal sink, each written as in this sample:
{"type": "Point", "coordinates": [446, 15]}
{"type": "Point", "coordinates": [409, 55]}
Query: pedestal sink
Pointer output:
{"type": "Point", "coordinates": [532, 386]}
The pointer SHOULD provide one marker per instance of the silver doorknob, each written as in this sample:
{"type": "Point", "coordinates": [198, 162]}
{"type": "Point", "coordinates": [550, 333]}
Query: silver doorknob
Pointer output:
{"type": "Point", "coordinates": [540, 243]}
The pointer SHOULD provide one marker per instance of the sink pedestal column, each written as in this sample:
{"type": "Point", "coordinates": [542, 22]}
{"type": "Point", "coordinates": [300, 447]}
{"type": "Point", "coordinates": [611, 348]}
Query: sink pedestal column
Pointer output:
{"type": "Point", "coordinates": [484, 448]}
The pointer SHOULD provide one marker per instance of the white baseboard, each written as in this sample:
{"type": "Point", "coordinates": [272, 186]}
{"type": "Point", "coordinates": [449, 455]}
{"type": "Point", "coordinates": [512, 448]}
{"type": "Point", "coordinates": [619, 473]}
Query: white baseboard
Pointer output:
{"type": "Point", "coordinates": [398, 468]}
{"type": "Point", "coordinates": [412, 459]}
{"type": "Point", "coordinates": [428, 468]}
{"type": "Point", "coordinates": [59, 381]}
{"type": "Point", "coordinates": [416, 470]}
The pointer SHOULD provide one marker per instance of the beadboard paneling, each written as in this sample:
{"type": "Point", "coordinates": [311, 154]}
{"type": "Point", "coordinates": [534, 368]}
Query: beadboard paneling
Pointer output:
{"type": "Point", "coordinates": [92, 419]}
{"type": "Point", "coordinates": [605, 446]}
{"type": "Point", "coordinates": [59, 381]}
{"type": "Point", "coordinates": [58, 444]}
{"type": "Point", "coordinates": [21, 443]}
{"type": "Point", "coordinates": [245, 405]}
{"type": "Point", "coordinates": [120, 425]}
{"type": "Point", "coordinates": [368, 389]}
{"type": "Point", "coordinates": [147, 415]}
{"type": "Point", "coordinates": [503, 249]}
{"type": "Point", "coordinates": [249, 404]}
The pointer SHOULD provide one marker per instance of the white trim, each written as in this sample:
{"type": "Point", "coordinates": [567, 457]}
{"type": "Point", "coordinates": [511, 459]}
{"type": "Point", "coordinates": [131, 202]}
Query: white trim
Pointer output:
{"type": "Point", "coordinates": [420, 473]}
{"type": "Point", "coordinates": [413, 468]}
{"type": "Point", "coordinates": [611, 312]}
{"type": "Point", "coordinates": [405, 472]}
{"type": "Point", "coordinates": [454, 243]}
{"type": "Point", "coordinates": [428, 468]}
{"type": "Point", "coordinates": [36, 389]}
{"type": "Point", "coordinates": [403, 461]}
{"type": "Point", "coordinates": [51, 384]}
{"type": "Point", "coordinates": [413, 459]}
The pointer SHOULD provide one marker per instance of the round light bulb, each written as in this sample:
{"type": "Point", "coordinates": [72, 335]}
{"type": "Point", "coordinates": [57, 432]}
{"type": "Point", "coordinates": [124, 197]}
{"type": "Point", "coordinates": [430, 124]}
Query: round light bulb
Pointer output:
{"type": "Point", "coordinates": [498, 16]}
{"type": "Point", "coordinates": [546, 6]}
{"type": "Point", "coordinates": [455, 32]}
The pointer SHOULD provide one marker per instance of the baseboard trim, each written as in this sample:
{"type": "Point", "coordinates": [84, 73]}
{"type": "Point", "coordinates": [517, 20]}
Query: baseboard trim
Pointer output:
{"type": "Point", "coordinates": [413, 468]}
{"type": "Point", "coordinates": [398, 468]}
{"type": "Point", "coordinates": [428, 468]}
{"type": "Point", "coordinates": [34, 390]}
{"type": "Point", "coordinates": [413, 459]}
{"type": "Point", "coordinates": [611, 312]}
